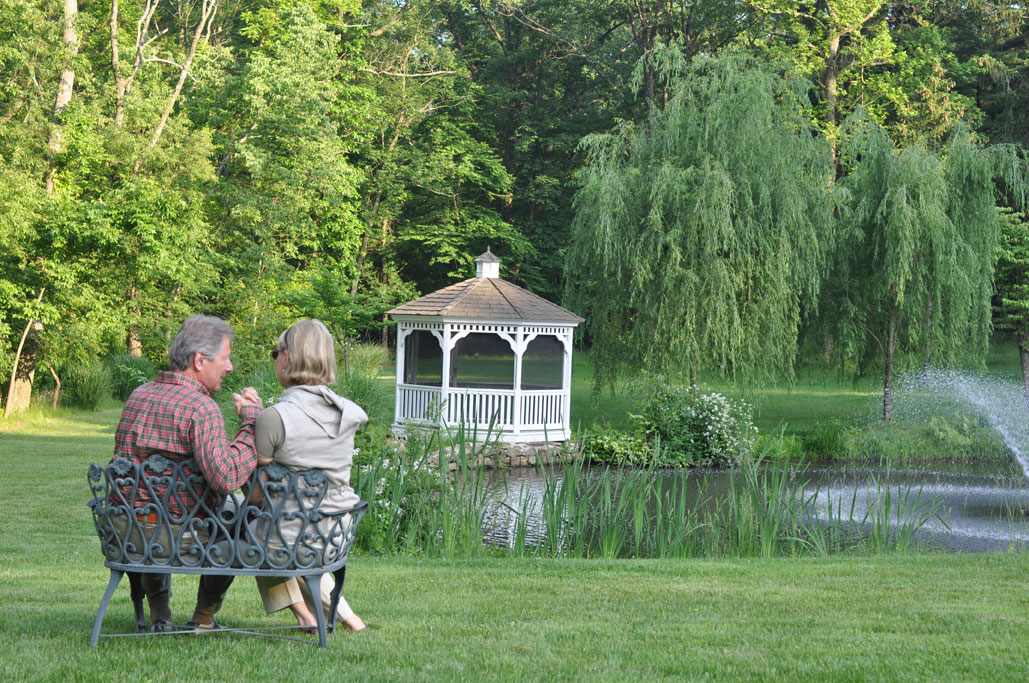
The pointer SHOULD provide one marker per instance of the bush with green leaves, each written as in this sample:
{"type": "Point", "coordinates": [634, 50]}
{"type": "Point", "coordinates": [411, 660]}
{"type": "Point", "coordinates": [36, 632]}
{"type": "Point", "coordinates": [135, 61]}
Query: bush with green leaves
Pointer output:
{"type": "Point", "coordinates": [697, 428]}
{"type": "Point", "coordinates": [128, 372]}
{"type": "Point", "coordinates": [957, 438]}
{"type": "Point", "coordinates": [86, 386]}
{"type": "Point", "coordinates": [828, 439]}
{"type": "Point", "coordinates": [616, 447]}
{"type": "Point", "coordinates": [363, 359]}
{"type": "Point", "coordinates": [788, 448]}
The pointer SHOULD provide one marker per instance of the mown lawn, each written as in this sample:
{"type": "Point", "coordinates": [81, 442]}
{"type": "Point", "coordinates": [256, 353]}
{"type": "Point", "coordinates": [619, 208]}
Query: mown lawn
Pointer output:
{"type": "Point", "coordinates": [914, 616]}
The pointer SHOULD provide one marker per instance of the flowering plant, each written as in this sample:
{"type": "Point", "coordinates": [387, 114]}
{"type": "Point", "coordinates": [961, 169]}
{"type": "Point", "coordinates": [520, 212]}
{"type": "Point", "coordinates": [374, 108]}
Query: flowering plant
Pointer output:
{"type": "Point", "coordinates": [697, 428]}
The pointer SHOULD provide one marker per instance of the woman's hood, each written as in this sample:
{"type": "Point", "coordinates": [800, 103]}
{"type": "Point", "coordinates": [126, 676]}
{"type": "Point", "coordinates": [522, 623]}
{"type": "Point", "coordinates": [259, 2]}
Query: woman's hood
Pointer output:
{"type": "Point", "coordinates": [330, 411]}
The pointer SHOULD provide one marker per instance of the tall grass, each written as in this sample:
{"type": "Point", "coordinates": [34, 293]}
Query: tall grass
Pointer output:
{"type": "Point", "coordinates": [86, 386]}
{"type": "Point", "coordinates": [768, 509]}
{"type": "Point", "coordinates": [423, 508]}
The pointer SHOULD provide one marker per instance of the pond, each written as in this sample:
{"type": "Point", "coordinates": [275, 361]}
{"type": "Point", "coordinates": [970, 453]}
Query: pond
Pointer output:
{"type": "Point", "coordinates": [963, 506]}
{"type": "Point", "coordinates": [977, 506]}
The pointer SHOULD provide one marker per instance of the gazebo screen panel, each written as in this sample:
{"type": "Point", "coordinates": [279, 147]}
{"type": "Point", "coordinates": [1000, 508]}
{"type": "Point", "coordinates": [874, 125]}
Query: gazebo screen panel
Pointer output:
{"type": "Point", "coordinates": [482, 361]}
{"type": "Point", "coordinates": [543, 363]}
{"type": "Point", "coordinates": [423, 359]}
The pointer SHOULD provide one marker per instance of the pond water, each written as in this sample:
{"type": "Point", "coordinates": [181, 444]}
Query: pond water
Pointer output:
{"type": "Point", "coordinates": [982, 505]}
{"type": "Point", "coordinates": [978, 506]}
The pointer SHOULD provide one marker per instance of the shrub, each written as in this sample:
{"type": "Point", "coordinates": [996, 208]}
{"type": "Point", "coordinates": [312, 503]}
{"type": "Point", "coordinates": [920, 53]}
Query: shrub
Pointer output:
{"type": "Point", "coordinates": [781, 448]}
{"type": "Point", "coordinates": [262, 378]}
{"type": "Point", "coordinates": [363, 359]}
{"type": "Point", "coordinates": [616, 447]}
{"type": "Point", "coordinates": [366, 392]}
{"type": "Point", "coordinates": [86, 386]}
{"type": "Point", "coordinates": [828, 440]}
{"type": "Point", "coordinates": [697, 428]}
{"type": "Point", "coordinates": [953, 438]}
{"type": "Point", "coordinates": [128, 372]}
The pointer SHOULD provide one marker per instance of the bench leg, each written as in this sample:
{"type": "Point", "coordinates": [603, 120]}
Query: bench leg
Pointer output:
{"type": "Point", "coordinates": [111, 585]}
{"type": "Point", "coordinates": [137, 592]}
{"type": "Point", "coordinates": [314, 588]}
{"type": "Point", "coordinates": [337, 590]}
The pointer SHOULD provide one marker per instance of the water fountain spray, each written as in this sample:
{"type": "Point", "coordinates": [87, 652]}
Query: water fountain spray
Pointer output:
{"type": "Point", "coordinates": [997, 400]}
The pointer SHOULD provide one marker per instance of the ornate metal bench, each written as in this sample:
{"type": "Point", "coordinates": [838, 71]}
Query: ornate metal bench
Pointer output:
{"type": "Point", "coordinates": [290, 536]}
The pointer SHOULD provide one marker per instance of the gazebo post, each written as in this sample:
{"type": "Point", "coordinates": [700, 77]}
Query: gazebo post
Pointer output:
{"type": "Point", "coordinates": [444, 387]}
{"type": "Point", "coordinates": [566, 381]}
{"type": "Point", "coordinates": [402, 332]}
{"type": "Point", "coordinates": [516, 409]}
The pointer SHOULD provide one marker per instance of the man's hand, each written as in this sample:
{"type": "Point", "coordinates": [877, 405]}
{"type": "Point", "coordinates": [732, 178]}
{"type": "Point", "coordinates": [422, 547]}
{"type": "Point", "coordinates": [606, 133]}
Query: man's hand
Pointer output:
{"type": "Point", "coordinates": [248, 398]}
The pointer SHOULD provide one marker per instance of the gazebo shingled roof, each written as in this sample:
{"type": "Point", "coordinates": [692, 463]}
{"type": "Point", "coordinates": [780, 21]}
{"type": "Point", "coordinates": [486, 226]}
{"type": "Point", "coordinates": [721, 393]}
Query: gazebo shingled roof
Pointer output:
{"type": "Point", "coordinates": [487, 298]}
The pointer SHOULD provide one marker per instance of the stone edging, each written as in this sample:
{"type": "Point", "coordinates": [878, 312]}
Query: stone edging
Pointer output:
{"type": "Point", "coordinates": [505, 455]}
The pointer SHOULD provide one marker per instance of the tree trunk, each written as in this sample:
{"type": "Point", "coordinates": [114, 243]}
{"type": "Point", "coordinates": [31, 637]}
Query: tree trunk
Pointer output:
{"type": "Point", "coordinates": [1023, 355]}
{"type": "Point", "coordinates": [64, 88]}
{"type": "Point", "coordinates": [135, 343]}
{"type": "Point", "coordinates": [19, 393]}
{"type": "Point", "coordinates": [207, 12]}
{"type": "Point", "coordinates": [57, 384]}
{"type": "Point", "coordinates": [830, 79]}
{"type": "Point", "coordinates": [891, 340]}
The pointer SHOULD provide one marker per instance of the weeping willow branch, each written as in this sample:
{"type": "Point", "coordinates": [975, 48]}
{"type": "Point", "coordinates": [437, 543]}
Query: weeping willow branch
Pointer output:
{"type": "Point", "coordinates": [701, 235]}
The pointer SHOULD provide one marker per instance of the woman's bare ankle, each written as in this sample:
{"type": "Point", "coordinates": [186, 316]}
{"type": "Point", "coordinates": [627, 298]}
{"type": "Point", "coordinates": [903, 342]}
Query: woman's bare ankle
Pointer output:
{"type": "Point", "coordinates": [303, 615]}
{"type": "Point", "coordinates": [354, 623]}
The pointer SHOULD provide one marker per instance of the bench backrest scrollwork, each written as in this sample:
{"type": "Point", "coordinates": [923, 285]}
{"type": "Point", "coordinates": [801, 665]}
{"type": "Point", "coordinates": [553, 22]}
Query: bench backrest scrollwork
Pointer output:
{"type": "Point", "coordinates": [290, 533]}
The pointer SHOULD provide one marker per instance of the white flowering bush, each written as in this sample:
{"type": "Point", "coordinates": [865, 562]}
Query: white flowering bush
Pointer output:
{"type": "Point", "coordinates": [697, 428]}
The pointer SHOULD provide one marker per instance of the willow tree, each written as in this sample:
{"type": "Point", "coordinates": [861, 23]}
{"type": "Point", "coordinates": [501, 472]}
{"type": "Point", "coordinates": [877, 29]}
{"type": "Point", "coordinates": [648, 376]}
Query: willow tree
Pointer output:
{"type": "Point", "coordinates": [913, 275]}
{"type": "Point", "coordinates": [700, 235]}
{"type": "Point", "coordinates": [1011, 307]}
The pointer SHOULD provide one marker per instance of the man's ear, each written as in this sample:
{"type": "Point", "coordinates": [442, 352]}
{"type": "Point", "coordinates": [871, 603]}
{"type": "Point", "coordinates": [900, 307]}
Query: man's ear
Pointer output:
{"type": "Point", "coordinates": [197, 362]}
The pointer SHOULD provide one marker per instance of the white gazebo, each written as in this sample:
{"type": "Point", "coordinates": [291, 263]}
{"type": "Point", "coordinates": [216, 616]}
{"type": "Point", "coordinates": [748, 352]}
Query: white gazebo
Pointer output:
{"type": "Point", "coordinates": [485, 353]}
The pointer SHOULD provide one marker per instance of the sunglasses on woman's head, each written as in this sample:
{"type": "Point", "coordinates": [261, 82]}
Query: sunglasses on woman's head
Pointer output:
{"type": "Point", "coordinates": [275, 354]}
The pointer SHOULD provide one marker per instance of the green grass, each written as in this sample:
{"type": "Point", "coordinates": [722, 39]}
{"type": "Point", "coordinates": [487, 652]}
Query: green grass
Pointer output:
{"type": "Point", "coordinates": [882, 617]}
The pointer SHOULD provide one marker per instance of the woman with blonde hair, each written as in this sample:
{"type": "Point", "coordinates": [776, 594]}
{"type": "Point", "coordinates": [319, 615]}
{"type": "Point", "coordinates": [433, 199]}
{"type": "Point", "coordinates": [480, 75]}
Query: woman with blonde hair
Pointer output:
{"type": "Point", "coordinates": [310, 427]}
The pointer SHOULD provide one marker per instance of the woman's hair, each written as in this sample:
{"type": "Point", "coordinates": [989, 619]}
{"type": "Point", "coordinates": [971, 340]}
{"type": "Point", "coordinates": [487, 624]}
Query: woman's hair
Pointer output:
{"type": "Point", "coordinates": [311, 357]}
{"type": "Point", "coordinates": [202, 334]}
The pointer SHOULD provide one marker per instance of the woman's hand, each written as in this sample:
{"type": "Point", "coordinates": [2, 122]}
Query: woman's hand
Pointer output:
{"type": "Point", "coordinates": [248, 398]}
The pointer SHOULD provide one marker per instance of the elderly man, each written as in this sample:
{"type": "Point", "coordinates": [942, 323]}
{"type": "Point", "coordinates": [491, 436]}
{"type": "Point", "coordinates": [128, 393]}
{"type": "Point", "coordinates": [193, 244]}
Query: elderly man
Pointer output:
{"type": "Point", "coordinates": [175, 416]}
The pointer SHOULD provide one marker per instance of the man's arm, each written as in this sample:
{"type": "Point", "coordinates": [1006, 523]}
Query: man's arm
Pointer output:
{"type": "Point", "coordinates": [226, 465]}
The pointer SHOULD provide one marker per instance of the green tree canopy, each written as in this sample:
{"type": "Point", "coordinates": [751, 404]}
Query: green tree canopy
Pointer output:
{"type": "Point", "coordinates": [701, 234]}
{"type": "Point", "coordinates": [1011, 305]}
{"type": "Point", "coordinates": [913, 271]}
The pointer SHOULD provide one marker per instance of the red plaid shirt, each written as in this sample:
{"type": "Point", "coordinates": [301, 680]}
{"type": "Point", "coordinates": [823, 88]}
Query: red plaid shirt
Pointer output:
{"type": "Point", "coordinates": [174, 416]}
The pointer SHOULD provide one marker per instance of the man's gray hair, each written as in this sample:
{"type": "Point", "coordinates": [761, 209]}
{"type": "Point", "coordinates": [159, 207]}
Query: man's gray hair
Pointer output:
{"type": "Point", "coordinates": [199, 334]}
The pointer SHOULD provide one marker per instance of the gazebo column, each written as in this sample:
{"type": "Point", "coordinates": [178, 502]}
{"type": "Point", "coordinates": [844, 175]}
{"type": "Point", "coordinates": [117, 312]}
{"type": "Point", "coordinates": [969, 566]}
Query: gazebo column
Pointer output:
{"type": "Point", "coordinates": [402, 332]}
{"type": "Point", "coordinates": [566, 384]}
{"type": "Point", "coordinates": [444, 389]}
{"type": "Point", "coordinates": [516, 409]}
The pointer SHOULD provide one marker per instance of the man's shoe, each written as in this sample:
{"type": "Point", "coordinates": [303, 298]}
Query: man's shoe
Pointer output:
{"type": "Point", "coordinates": [197, 627]}
{"type": "Point", "coordinates": [162, 626]}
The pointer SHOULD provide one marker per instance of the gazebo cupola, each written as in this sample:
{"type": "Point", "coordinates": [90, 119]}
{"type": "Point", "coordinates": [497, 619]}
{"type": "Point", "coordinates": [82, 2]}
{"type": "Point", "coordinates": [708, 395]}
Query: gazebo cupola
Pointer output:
{"type": "Point", "coordinates": [485, 352]}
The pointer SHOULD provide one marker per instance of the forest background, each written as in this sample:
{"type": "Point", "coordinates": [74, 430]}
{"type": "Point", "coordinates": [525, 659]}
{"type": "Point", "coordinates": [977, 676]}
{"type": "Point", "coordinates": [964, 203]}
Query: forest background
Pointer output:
{"type": "Point", "coordinates": [721, 185]}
